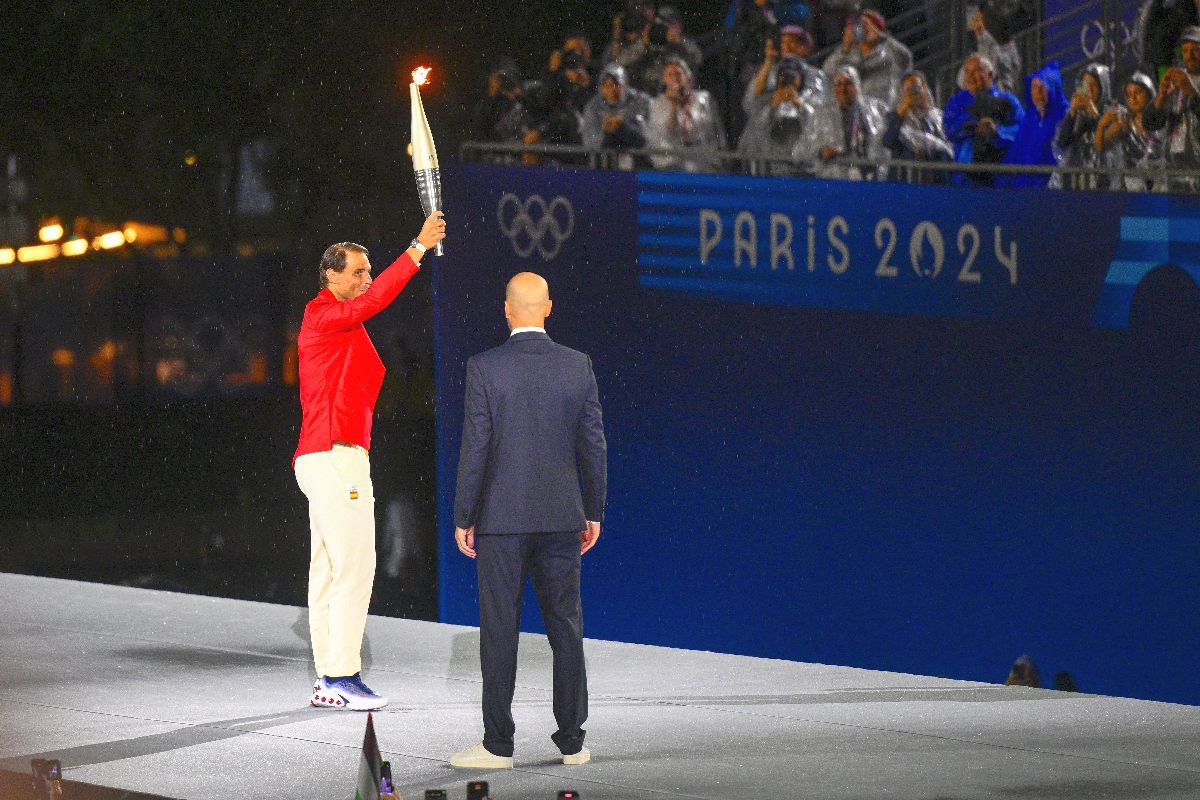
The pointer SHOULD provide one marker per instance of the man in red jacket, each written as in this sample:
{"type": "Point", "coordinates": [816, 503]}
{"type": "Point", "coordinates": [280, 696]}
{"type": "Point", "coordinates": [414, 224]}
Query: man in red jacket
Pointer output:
{"type": "Point", "coordinates": [340, 376]}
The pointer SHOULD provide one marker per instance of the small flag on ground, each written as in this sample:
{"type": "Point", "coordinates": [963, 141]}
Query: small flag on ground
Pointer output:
{"type": "Point", "coordinates": [368, 768]}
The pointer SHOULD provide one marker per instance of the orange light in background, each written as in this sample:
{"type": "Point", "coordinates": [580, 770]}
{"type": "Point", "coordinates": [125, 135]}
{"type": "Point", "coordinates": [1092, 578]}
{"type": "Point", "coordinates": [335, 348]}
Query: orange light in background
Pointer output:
{"type": "Point", "coordinates": [190, 158]}
{"type": "Point", "coordinates": [7, 255]}
{"type": "Point", "coordinates": [110, 240]}
{"type": "Point", "coordinates": [6, 388]}
{"type": "Point", "coordinates": [51, 232]}
{"type": "Point", "coordinates": [179, 235]}
{"type": "Point", "coordinates": [420, 75]}
{"type": "Point", "coordinates": [75, 247]}
{"type": "Point", "coordinates": [144, 233]}
{"type": "Point", "coordinates": [62, 357]}
{"type": "Point", "coordinates": [37, 252]}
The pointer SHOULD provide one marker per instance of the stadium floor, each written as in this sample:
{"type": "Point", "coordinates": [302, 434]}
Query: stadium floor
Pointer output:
{"type": "Point", "coordinates": [182, 696]}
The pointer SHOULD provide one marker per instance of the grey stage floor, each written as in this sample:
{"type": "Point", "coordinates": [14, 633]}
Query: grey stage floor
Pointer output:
{"type": "Point", "coordinates": [196, 697]}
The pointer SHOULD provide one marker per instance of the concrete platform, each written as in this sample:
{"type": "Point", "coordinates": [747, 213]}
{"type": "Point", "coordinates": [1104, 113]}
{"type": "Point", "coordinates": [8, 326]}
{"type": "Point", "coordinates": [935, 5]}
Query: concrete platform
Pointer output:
{"type": "Point", "coordinates": [195, 697]}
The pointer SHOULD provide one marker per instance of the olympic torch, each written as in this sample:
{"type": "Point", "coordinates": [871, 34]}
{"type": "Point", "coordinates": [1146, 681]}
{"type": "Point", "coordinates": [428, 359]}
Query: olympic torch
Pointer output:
{"type": "Point", "coordinates": [424, 154]}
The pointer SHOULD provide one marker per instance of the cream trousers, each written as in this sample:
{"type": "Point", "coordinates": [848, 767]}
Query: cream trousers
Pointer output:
{"type": "Point", "coordinates": [341, 514]}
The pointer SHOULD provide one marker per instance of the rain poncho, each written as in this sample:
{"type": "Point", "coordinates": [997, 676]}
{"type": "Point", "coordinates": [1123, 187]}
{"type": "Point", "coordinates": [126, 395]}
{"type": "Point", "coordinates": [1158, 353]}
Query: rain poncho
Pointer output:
{"type": "Point", "coordinates": [1178, 120]}
{"type": "Point", "coordinates": [1034, 142]}
{"type": "Point", "coordinates": [776, 132]}
{"type": "Point", "coordinates": [856, 130]}
{"type": "Point", "coordinates": [962, 115]}
{"type": "Point", "coordinates": [633, 107]}
{"type": "Point", "coordinates": [880, 69]}
{"type": "Point", "coordinates": [1136, 147]}
{"type": "Point", "coordinates": [919, 136]}
{"type": "Point", "coordinates": [680, 128]}
{"type": "Point", "coordinates": [1075, 141]}
{"type": "Point", "coordinates": [816, 89]}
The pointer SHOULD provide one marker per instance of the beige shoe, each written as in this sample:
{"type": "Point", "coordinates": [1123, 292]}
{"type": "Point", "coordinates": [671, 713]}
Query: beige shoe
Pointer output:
{"type": "Point", "coordinates": [479, 757]}
{"type": "Point", "coordinates": [575, 759]}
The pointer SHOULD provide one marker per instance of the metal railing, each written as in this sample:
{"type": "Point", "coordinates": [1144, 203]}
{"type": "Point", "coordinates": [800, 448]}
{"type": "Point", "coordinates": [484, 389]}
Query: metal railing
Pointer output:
{"type": "Point", "coordinates": [1156, 179]}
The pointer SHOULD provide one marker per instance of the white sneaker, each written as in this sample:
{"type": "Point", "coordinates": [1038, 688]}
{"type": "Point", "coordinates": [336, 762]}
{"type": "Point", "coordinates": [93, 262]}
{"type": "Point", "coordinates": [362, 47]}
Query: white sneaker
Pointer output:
{"type": "Point", "coordinates": [479, 757]}
{"type": "Point", "coordinates": [348, 693]}
{"type": "Point", "coordinates": [575, 759]}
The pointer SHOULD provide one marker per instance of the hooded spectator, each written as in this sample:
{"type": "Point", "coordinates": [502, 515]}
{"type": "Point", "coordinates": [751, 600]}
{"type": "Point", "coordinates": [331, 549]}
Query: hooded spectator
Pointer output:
{"type": "Point", "coordinates": [914, 129]}
{"type": "Point", "coordinates": [850, 127]}
{"type": "Point", "coordinates": [880, 59]}
{"type": "Point", "coordinates": [1076, 139]}
{"type": "Point", "coordinates": [797, 43]}
{"type": "Point", "coordinates": [616, 117]}
{"type": "Point", "coordinates": [1176, 110]}
{"type": "Point", "coordinates": [980, 120]}
{"type": "Point", "coordinates": [994, 43]}
{"type": "Point", "coordinates": [775, 129]}
{"type": "Point", "coordinates": [683, 118]}
{"type": "Point", "coordinates": [1124, 141]}
{"type": "Point", "coordinates": [1045, 107]}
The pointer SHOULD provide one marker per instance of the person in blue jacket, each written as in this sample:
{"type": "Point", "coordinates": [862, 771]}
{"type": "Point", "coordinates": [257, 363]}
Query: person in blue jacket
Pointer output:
{"type": "Point", "coordinates": [1034, 144]}
{"type": "Point", "coordinates": [981, 121]}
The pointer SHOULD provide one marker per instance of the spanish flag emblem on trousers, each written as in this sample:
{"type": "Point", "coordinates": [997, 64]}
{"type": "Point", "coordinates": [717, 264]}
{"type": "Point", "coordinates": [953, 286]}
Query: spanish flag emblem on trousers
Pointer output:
{"type": "Point", "coordinates": [371, 765]}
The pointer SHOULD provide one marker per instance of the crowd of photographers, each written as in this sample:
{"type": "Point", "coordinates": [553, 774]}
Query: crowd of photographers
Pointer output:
{"type": "Point", "coordinates": [753, 88]}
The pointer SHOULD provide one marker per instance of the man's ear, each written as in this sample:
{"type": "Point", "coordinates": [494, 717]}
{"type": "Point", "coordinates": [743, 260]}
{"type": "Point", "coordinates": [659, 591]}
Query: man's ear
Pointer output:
{"type": "Point", "coordinates": [549, 307]}
{"type": "Point", "coordinates": [507, 312]}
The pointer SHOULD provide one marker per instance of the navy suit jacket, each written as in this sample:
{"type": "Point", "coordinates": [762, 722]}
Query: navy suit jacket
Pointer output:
{"type": "Point", "coordinates": [533, 456]}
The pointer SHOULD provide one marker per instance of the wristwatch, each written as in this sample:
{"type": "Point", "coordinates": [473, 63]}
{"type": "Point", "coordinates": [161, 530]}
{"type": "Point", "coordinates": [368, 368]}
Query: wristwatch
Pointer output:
{"type": "Point", "coordinates": [417, 244]}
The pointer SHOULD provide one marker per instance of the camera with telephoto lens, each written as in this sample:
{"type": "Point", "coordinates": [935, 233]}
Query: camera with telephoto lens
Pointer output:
{"type": "Point", "coordinates": [572, 59]}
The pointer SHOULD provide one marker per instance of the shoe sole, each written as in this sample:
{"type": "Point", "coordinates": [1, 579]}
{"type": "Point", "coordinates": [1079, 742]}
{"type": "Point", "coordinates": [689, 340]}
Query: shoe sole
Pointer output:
{"type": "Point", "coordinates": [340, 702]}
{"type": "Point", "coordinates": [489, 764]}
{"type": "Point", "coordinates": [574, 760]}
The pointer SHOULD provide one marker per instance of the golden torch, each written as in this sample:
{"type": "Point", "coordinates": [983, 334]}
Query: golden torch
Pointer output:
{"type": "Point", "coordinates": [424, 154]}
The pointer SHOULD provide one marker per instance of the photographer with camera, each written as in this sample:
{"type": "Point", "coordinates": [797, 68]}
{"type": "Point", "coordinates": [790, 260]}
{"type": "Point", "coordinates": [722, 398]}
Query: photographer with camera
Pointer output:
{"type": "Point", "coordinates": [501, 115]}
{"type": "Point", "coordinates": [628, 33]}
{"type": "Point", "coordinates": [616, 117]}
{"type": "Point", "coordinates": [1176, 111]}
{"type": "Point", "coordinates": [981, 121]}
{"type": "Point", "coordinates": [570, 68]}
{"type": "Point", "coordinates": [1123, 139]}
{"type": "Point", "coordinates": [914, 129]}
{"type": "Point", "coordinates": [793, 42]}
{"type": "Point", "coordinates": [1076, 138]}
{"type": "Point", "coordinates": [879, 58]}
{"type": "Point", "coordinates": [664, 40]}
{"type": "Point", "coordinates": [774, 130]}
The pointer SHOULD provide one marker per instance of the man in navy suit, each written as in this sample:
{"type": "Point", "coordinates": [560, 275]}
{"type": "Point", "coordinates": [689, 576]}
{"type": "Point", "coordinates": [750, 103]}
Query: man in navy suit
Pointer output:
{"type": "Point", "coordinates": [532, 478]}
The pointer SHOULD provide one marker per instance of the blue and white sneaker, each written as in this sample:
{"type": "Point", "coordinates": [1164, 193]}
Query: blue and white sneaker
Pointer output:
{"type": "Point", "coordinates": [346, 693]}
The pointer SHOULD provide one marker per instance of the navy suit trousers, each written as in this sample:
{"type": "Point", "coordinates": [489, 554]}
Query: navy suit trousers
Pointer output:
{"type": "Point", "coordinates": [552, 561]}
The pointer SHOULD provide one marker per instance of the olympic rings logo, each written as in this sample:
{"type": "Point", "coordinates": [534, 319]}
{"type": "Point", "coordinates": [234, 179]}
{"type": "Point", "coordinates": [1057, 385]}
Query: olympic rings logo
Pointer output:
{"type": "Point", "coordinates": [535, 224]}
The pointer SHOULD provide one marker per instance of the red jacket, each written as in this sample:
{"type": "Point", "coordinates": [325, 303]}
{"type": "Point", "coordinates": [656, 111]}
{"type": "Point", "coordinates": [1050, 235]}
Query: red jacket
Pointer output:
{"type": "Point", "coordinates": [340, 372]}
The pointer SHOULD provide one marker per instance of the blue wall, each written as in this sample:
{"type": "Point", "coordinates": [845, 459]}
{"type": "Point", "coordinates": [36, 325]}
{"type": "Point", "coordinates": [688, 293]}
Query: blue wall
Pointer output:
{"type": "Point", "coordinates": [914, 471]}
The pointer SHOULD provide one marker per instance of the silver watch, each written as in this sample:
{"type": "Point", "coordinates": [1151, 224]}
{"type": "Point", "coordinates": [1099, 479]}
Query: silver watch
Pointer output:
{"type": "Point", "coordinates": [417, 244]}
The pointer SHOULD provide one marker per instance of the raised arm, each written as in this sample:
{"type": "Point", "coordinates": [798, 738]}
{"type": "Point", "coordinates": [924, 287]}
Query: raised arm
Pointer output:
{"type": "Point", "coordinates": [386, 287]}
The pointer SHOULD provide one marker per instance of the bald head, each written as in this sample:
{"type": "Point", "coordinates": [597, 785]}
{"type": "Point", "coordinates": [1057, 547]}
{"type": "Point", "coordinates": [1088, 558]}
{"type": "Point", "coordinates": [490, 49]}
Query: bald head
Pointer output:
{"type": "Point", "coordinates": [527, 301]}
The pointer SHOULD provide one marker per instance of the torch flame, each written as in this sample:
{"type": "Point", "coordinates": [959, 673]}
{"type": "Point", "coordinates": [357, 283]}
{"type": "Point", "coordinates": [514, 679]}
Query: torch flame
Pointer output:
{"type": "Point", "coordinates": [420, 75]}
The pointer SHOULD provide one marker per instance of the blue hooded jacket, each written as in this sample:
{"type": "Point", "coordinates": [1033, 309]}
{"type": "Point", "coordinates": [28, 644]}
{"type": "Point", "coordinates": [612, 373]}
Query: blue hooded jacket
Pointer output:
{"type": "Point", "coordinates": [1034, 142]}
